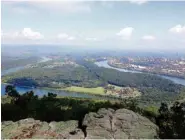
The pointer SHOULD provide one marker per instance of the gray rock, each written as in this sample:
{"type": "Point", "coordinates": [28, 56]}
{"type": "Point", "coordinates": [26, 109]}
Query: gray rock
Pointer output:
{"type": "Point", "coordinates": [105, 124]}
{"type": "Point", "coordinates": [119, 124]}
{"type": "Point", "coordinates": [30, 128]}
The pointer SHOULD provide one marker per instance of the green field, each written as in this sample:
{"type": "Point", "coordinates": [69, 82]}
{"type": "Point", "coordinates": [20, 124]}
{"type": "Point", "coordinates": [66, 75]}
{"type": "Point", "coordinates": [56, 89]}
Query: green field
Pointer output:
{"type": "Point", "coordinates": [97, 90]}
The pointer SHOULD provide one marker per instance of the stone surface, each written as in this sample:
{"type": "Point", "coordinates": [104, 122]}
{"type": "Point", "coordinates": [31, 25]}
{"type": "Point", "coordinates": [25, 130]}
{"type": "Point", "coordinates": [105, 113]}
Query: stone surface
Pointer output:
{"type": "Point", "coordinates": [105, 124]}
{"type": "Point", "coordinates": [119, 124]}
{"type": "Point", "coordinates": [30, 128]}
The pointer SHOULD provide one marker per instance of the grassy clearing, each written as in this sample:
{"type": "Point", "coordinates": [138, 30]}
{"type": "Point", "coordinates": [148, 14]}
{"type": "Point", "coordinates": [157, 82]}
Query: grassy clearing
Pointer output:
{"type": "Point", "coordinates": [97, 90]}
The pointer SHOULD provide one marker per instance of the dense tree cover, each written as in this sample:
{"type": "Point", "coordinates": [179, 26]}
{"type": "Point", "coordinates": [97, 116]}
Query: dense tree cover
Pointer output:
{"type": "Point", "coordinates": [54, 77]}
{"type": "Point", "coordinates": [154, 96]}
{"type": "Point", "coordinates": [136, 80]}
{"type": "Point", "coordinates": [171, 120]}
{"type": "Point", "coordinates": [11, 91]}
{"type": "Point", "coordinates": [12, 63]}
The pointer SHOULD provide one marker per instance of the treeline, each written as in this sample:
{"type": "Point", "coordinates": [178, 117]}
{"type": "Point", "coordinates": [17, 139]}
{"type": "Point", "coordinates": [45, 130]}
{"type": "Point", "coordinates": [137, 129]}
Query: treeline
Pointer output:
{"type": "Point", "coordinates": [136, 80]}
{"type": "Point", "coordinates": [12, 63]}
{"type": "Point", "coordinates": [49, 108]}
{"type": "Point", "coordinates": [170, 120]}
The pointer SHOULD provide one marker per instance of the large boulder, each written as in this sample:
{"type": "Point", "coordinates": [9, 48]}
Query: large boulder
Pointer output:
{"type": "Point", "coordinates": [119, 124]}
{"type": "Point", "coordinates": [30, 128]}
{"type": "Point", "coordinates": [105, 124]}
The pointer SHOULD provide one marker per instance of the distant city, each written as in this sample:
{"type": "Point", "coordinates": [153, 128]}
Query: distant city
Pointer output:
{"type": "Point", "coordinates": [164, 66]}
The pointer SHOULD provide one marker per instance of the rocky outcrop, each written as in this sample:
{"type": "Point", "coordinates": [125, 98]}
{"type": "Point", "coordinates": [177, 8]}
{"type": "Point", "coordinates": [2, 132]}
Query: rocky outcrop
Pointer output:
{"type": "Point", "coordinates": [119, 124]}
{"type": "Point", "coordinates": [35, 129]}
{"type": "Point", "coordinates": [105, 124]}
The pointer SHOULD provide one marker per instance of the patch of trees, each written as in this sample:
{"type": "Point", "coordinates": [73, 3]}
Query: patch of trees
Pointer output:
{"type": "Point", "coordinates": [171, 121]}
{"type": "Point", "coordinates": [54, 77]}
{"type": "Point", "coordinates": [136, 80]}
{"type": "Point", "coordinates": [24, 81]}
{"type": "Point", "coordinates": [154, 96]}
{"type": "Point", "coordinates": [12, 63]}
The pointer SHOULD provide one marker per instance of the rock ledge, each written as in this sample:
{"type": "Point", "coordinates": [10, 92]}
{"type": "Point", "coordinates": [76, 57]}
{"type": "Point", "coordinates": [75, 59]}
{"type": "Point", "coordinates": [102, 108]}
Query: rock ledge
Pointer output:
{"type": "Point", "coordinates": [105, 124]}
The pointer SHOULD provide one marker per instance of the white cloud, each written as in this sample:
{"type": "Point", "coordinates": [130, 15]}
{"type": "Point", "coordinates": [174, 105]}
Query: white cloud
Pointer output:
{"type": "Point", "coordinates": [148, 37]}
{"type": "Point", "coordinates": [26, 33]}
{"type": "Point", "coordinates": [125, 33]}
{"type": "Point", "coordinates": [91, 39]}
{"type": "Point", "coordinates": [179, 29]}
{"type": "Point", "coordinates": [65, 36]}
{"type": "Point", "coordinates": [139, 2]}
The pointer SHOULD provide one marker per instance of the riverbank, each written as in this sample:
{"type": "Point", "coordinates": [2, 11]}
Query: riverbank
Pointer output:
{"type": "Point", "coordinates": [21, 67]}
{"type": "Point", "coordinates": [173, 79]}
{"type": "Point", "coordinates": [148, 72]}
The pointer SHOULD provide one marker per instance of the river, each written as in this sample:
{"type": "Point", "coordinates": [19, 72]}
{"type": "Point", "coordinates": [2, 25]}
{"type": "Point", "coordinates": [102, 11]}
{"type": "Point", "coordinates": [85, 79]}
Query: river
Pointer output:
{"type": "Point", "coordinates": [106, 65]}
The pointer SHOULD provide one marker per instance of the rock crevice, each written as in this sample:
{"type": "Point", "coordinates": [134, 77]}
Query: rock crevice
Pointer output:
{"type": "Point", "coordinates": [118, 124]}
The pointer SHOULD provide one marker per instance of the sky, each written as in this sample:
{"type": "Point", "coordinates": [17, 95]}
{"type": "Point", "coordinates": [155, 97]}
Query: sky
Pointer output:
{"type": "Point", "coordinates": [135, 24]}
